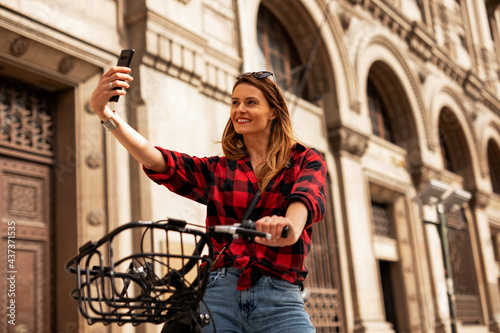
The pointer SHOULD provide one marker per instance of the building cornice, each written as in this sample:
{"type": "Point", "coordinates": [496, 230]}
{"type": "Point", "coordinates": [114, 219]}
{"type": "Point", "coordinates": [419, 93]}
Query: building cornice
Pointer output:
{"type": "Point", "coordinates": [423, 45]}
{"type": "Point", "coordinates": [185, 54]}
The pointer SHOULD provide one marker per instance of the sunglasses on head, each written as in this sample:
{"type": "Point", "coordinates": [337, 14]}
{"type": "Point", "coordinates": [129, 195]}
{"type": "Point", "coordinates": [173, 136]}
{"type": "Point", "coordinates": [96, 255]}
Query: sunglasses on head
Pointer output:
{"type": "Point", "coordinates": [258, 75]}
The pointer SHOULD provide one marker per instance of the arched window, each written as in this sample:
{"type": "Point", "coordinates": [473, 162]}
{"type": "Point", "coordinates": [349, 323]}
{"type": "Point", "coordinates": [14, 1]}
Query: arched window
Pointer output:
{"type": "Point", "coordinates": [491, 8]}
{"type": "Point", "coordinates": [444, 143]}
{"type": "Point", "coordinates": [381, 125]}
{"type": "Point", "coordinates": [453, 144]}
{"type": "Point", "coordinates": [278, 53]}
{"type": "Point", "coordinates": [455, 152]}
{"type": "Point", "coordinates": [494, 165]}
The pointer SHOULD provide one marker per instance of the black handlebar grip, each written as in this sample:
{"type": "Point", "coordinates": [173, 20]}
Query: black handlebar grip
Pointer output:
{"type": "Point", "coordinates": [284, 232]}
{"type": "Point", "coordinates": [251, 233]}
{"type": "Point", "coordinates": [251, 225]}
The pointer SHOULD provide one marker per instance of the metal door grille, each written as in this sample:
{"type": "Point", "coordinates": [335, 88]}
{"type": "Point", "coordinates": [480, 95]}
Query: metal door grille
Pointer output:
{"type": "Point", "coordinates": [325, 305]}
{"type": "Point", "coordinates": [26, 121]}
{"type": "Point", "coordinates": [467, 299]}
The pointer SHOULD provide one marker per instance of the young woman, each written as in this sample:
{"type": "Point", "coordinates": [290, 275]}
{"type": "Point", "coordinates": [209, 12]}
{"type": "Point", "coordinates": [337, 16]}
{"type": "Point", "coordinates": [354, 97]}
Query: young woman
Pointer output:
{"type": "Point", "coordinates": [255, 285]}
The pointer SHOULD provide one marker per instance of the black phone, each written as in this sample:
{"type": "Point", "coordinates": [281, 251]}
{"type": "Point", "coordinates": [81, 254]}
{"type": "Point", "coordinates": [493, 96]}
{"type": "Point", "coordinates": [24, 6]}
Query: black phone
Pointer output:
{"type": "Point", "coordinates": [124, 60]}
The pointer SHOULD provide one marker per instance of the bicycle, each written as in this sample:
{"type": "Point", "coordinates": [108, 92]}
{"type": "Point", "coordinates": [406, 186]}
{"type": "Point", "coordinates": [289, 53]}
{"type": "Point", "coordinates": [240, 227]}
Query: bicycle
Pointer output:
{"type": "Point", "coordinates": [162, 281]}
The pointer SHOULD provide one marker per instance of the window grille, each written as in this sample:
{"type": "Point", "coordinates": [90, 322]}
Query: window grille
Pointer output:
{"type": "Point", "coordinates": [381, 219]}
{"type": "Point", "coordinates": [279, 53]}
{"type": "Point", "coordinates": [380, 120]}
{"type": "Point", "coordinates": [325, 304]}
{"type": "Point", "coordinates": [26, 122]}
{"type": "Point", "coordinates": [467, 299]}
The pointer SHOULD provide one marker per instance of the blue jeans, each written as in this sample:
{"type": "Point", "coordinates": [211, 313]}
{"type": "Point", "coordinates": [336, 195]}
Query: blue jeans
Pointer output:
{"type": "Point", "coordinates": [270, 305]}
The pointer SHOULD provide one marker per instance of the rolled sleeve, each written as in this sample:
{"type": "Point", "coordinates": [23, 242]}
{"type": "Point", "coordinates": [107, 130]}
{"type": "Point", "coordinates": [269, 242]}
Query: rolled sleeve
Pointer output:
{"type": "Point", "coordinates": [161, 178]}
{"type": "Point", "coordinates": [309, 188]}
{"type": "Point", "coordinates": [186, 175]}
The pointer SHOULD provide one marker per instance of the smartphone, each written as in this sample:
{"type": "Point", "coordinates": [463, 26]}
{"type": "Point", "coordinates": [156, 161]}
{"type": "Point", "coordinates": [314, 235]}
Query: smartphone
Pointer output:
{"type": "Point", "coordinates": [124, 60]}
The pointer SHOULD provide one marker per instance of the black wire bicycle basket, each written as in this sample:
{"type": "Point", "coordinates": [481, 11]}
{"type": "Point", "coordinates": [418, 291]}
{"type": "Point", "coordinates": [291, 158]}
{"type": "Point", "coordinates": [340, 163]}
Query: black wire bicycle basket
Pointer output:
{"type": "Point", "coordinates": [161, 280]}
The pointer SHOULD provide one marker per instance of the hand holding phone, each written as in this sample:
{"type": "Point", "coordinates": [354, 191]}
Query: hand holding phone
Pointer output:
{"type": "Point", "coordinates": [124, 60]}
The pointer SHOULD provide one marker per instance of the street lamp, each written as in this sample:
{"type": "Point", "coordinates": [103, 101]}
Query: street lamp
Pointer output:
{"type": "Point", "coordinates": [433, 193]}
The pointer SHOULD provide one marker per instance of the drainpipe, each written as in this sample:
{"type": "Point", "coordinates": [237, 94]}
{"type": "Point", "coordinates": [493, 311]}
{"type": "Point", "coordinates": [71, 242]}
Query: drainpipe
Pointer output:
{"type": "Point", "coordinates": [443, 234]}
{"type": "Point", "coordinates": [437, 192]}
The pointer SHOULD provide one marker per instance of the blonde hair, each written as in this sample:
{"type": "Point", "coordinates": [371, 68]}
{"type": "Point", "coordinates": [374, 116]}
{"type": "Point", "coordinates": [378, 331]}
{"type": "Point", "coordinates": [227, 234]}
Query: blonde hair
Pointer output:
{"type": "Point", "coordinates": [282, 137]}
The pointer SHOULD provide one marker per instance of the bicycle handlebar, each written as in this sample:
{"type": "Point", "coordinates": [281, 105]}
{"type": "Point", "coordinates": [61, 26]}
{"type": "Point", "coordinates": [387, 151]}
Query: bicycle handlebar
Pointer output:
{"type": "Point", "coordinates": [251, 225]}
{"type": "Point", "coordinates": [161, 281]}
{"type": "Point", "coordinates": [238, 231]}
{"type": "Point", "coordinates": [246, 229]}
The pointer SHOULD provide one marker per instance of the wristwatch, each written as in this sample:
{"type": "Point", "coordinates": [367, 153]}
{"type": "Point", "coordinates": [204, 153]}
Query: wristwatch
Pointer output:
{"type": "Point", "coordinates": [111, 123]}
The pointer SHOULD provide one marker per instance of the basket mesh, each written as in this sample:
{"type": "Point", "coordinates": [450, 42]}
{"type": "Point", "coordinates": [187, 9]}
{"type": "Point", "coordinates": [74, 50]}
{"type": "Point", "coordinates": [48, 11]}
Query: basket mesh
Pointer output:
{"type": "Point", "coordinates": [165, 276]}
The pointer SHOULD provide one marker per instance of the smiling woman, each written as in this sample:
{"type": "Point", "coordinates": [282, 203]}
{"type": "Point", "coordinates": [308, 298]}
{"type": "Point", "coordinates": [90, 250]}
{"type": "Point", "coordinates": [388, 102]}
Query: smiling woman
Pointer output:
{"type": "Point", "coordinates": [267, 149]}
{"type": "Point", "coordinates": [251, 114]}
{"type": "Point", "coordinates": [262, 160]}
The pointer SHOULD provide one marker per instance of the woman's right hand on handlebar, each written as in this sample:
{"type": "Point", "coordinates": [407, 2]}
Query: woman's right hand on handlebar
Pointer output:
{"type": "Point", "coordinates": [118, 77]}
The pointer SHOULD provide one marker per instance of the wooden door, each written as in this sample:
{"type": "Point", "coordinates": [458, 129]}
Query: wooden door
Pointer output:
{"type": "Point", "coordinates": [26, 159]}
{"type": "Point", "coordinates": [25, 214]}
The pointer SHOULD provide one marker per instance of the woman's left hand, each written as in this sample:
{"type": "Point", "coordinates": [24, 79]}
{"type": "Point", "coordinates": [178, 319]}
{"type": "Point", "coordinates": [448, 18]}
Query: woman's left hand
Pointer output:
{"type": "Point", "coordinates": [274, 225]}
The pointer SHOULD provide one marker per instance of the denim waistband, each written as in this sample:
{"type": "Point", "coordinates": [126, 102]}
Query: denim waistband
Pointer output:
{"type": "Point", "coordinates": [224, 270]}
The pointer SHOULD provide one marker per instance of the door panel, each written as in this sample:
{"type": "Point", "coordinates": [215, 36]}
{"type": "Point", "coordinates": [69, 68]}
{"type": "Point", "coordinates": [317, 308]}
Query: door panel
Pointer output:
{"type": "Point", "coordinates": [25, 216]}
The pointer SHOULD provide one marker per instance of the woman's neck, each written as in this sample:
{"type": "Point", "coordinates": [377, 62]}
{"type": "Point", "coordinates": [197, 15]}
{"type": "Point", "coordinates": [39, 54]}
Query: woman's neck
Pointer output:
{"type": "Point", "coordinates": [257, 151]}
{"type": "Point", "coordinates": [256, 148]}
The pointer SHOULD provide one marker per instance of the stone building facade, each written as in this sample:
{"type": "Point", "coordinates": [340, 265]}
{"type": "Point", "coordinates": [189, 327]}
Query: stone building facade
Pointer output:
{"type": "Point", "coordinates": [401, 96]}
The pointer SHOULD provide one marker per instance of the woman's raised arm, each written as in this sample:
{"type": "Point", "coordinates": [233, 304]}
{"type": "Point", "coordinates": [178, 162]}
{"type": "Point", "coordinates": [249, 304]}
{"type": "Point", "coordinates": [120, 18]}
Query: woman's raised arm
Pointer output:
{"type": "Point", "coordinates": [140, 148]}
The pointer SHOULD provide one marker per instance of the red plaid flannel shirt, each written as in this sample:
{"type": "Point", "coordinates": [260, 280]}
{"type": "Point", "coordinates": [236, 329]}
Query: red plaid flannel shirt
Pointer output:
{"type": "Point", "coordinates": [227, 187]}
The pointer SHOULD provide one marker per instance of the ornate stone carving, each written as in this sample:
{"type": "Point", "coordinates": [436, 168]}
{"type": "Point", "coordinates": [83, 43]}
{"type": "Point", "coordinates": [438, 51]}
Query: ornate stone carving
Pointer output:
{"type": "Point", "coordinates": [346, 139]}
{"type": "Point", "coordinates": [472, 86]}
{"type": "Point", "coordinates": [189, 58]}
{"type": "Point", "coordinates": [23, 194]}
{"type": "Point", "coordinates": [356, 106]}
{"type": "Point", "coordinates": [23, 198]}
{"type": "Point", "coordinates": [94, 160]}
{"type": "Point", "coordinates": [419, 42]}
{"type": "Point", "coordinates": [424, 46]}
{"type": "Point", "coordinates": [422, 174]}
{"type": "Point", "coordinates": [95, 217]}
{"type": "Point", "coordinates": [26, 121]}
{"type": "Point", "coordinates": [480, 199]}
{"type": "Point", "coordinates": [19, 46]}
{"type": "Point", "coordinates": [66, 65]}
{"type": "Point", "coordinates": [88, 108]}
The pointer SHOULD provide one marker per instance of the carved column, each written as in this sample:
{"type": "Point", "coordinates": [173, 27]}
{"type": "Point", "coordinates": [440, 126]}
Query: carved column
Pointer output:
{"type": "Point", "coordinates": [349, 146]}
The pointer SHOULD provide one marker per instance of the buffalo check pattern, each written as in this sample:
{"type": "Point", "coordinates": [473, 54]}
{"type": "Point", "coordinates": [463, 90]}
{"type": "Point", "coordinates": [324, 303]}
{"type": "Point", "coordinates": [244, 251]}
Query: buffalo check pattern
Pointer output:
{"type": "Point", "coordinates": [226, 187]}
